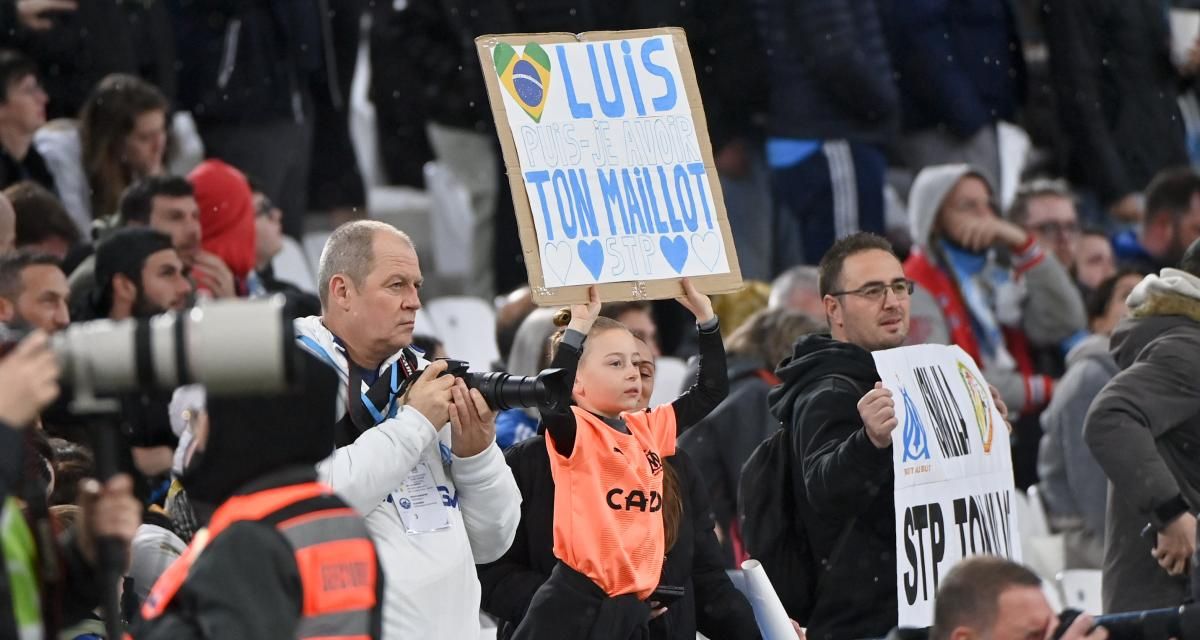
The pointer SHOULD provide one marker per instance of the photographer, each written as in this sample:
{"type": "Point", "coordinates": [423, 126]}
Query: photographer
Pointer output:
{"type": "Point", "coordinates": [395, 451]}
{"type": "Point", "coordinates": [989, 597]}
{"type": "Point", "coordinates": [47, 583]}
{"type": "Point", "coordinates": [282, 556]}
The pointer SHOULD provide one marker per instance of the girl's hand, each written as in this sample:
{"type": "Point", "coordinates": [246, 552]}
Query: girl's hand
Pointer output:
{"type": "Point", "coordinates": [696, 302]}
{"type": "Point", "coordinates": [583, 316]}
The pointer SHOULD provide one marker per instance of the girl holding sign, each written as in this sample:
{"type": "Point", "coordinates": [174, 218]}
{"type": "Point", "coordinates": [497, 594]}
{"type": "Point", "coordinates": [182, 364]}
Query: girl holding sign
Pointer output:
{"type": "Point", "coordinates": [615, 504]}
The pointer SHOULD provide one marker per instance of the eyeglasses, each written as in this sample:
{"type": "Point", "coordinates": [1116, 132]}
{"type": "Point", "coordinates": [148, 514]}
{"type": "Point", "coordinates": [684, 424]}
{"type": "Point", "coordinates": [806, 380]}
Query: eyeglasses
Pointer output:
{"type": "Point", "coordinates": [877, 291]}
{"type": "Point", "coordinates": [1064, 229]}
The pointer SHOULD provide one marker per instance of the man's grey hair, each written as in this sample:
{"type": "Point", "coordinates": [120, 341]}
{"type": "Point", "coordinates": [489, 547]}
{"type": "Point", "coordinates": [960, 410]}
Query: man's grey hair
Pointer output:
{"type": "Point", "coordinates": [1018, 212]}
{"type": "Point", "coordinates": [349, 251]}
{"type": "Point", "coordinates": [798, 280]}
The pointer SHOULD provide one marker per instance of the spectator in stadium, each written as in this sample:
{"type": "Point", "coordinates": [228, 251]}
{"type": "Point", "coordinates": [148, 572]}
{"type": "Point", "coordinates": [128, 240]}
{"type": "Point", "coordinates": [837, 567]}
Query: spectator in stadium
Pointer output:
{"type": "Point", "coordinates": [1116, 93]}
{"type": "Point", "coordinates": [797, 289]}
{"type": "Point", "coordinates": [42, 223]}
{"type": "Point", "coordinates": [1046, 210]}
{"type": "Point", "coordinates": [1094, 261]}
{"type": "Point", "coordinates": [120, 137]}
{"type": "Point", "coordinates": [392, 450]}
{"type": "Point", "coordinates": [990, 597]}
{"type": "Point", "coordinates": [637, 316]}
{"type": "Point", "coordinates": [710, 605]}
{"type": "Point", "coordinates": [960, 72]}
{"type": "Point", "coordinates": [722, 442]}
{"type": "Point", "coordinates": [166, 204]}
{"type": "Point", "coordinates": [227, 223]}
{"type": "Point", "coordinates": [138, 275]}
{"type": "Point", "coordinates": [1142, 429]}
{"type": "Point", "coordinates": [33, 292]}
{"type": "Point", "coordinates": [268, 243]}
{"type": "Point", "coordinates": [834, 107]}
{"type": "Point", "coordinates": [1074, 488]}
{"type": "Point", "coordinates": [964, 297]}
{"type": "Point", "coordinates": [22, 111]}
{"type": "Point", "coordinates": [1171, 224]}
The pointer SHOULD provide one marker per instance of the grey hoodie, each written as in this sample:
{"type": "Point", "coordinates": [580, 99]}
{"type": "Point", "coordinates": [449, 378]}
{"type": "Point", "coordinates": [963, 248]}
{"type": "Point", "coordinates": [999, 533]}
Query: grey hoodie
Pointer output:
{"type": "Point", "coordinates": [1072, 484]}
{"type": "Point", "coordinates": [1044, 303]}
{"type": "Point", "coordinates": [1144, 429]}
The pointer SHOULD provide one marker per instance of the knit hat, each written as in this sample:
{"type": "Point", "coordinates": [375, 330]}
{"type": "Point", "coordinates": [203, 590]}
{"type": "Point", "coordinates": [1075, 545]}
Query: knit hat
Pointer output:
{"type": "Point", "coordinates": [124, 252]}
{"type": "Point", "coordinates": [226, 214]}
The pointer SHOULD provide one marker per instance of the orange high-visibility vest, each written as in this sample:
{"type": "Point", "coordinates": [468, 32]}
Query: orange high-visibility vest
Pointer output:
{"type": "Point", "coordinates": [334, 554]}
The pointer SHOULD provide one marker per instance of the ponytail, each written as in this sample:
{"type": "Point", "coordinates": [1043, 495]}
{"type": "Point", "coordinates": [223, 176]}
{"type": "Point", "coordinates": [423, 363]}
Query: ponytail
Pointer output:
{"type": "Point", "coordinates": [672, 506]}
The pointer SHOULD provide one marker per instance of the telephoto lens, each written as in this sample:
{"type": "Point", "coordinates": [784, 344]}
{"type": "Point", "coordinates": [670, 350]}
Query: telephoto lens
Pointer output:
{"type": "Point", "coordinates": [502, 391]}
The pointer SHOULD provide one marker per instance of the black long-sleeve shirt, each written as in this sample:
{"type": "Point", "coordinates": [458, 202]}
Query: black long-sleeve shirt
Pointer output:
{"type": "Point", "coordinates": [710, 388]}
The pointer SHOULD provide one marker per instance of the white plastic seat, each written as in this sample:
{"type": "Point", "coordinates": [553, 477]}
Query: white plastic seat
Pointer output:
{"type": "Point", "coordinates": [467, 327]}
{"type": "Point", "coordinates": [669, 380]}
{"type": "Point", "coordinates": [1080, 590]}
{"type": "Point", "coordinates": [292, 265]}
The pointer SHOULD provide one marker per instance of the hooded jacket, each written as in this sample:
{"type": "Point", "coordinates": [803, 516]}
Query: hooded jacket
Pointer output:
{"type": "Point", "coordinates": [843, 486]}
{"type": "Point", "coordinates": [1144, 429]}
{"type": "Point", "coordinates": [226, 215]}
{"type": "Point", "coordinates": [1072, 484]}
{"type": "Point", "coordinates": [432, 590]}
{"type": "Point", "coordinates": [1041, 307]}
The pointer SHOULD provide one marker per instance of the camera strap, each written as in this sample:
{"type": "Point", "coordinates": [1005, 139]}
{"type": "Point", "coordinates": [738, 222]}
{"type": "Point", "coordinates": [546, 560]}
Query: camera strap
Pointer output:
{"type": "Point", "coordinates": [367, 408]}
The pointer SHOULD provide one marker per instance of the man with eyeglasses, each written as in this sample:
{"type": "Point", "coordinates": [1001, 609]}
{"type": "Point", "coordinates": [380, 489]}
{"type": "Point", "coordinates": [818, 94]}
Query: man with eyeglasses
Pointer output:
{"type": "Point", "coordinates": [1046, 210]}
{"type": "Point", "coordinates": [268, 243]}
{"type": "Point", "coordinates": [838, 423]}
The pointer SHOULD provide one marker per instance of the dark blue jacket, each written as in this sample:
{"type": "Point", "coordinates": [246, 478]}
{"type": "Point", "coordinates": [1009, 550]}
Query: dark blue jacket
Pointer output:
{"type": "Point", "coordinates": [958, 63]}
{"type": "Point", "coordinates": [829, 71]}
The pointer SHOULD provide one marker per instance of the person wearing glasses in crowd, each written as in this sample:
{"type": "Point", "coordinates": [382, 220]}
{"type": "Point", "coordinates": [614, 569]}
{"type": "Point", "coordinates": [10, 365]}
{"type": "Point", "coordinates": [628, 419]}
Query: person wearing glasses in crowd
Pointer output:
{"type": "Point", "coordinates": [839, 420]}
{"type": "Point", "coordinates": [984, 283]}
{"type": "Point", "coordinates": [1045, 209]}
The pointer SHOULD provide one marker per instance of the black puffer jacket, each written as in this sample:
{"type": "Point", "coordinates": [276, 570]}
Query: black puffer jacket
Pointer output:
{"type": "Point", "coordinates": [843, 485]}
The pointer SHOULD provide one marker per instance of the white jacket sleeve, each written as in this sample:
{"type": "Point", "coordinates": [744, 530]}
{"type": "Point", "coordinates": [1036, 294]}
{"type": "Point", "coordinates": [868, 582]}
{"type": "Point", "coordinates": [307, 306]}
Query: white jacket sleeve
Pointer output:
{"type": "Point", "coordinates": [489, 500]}
{"type": "Point", "coordinates": [377, 463]}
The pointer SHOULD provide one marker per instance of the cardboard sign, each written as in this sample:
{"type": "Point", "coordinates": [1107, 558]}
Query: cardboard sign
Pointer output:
{"type": "Point", "coordinates": [954, 478]}
{"type": "Point", "coordinates": [607, 152]}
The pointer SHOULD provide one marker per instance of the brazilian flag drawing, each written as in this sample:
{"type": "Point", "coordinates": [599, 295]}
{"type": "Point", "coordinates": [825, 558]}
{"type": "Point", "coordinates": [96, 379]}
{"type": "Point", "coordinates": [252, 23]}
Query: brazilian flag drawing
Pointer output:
{"type": "Point", "coordinates": [526, 77]}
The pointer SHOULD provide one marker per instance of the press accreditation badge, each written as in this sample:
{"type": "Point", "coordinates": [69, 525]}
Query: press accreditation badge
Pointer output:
{"type": "Point", "coordinates": [419, 502]}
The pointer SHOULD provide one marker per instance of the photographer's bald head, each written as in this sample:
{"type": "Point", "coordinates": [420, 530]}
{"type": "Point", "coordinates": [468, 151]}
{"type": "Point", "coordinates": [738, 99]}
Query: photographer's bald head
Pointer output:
{"type": "Point", "coordinates": [369, 281]}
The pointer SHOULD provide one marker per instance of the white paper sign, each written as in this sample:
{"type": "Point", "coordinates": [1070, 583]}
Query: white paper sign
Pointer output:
{"type": "Point", "coordinates": [610, 160]}
{"type": "Point", "coordinates": [954, 479]}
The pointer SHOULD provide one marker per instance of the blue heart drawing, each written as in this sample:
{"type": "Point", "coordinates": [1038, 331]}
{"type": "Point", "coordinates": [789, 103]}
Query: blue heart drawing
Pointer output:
{"type": "Point", "coordinates": [675, 250]}
{"type": "Point", "coordinates": [591, 254]}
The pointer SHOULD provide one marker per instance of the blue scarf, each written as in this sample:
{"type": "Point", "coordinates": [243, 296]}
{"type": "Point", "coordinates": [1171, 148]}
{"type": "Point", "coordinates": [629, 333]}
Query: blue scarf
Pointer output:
{"type": "Point", "coordinates": [978, 280]}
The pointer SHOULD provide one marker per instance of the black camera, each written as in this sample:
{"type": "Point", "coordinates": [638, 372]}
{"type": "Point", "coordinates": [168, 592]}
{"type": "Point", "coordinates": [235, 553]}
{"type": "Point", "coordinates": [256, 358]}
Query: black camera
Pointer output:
{"type": "Point", "coordinates": [547, 390]}
{"type": "Point", "coordinates": [1181, 623]}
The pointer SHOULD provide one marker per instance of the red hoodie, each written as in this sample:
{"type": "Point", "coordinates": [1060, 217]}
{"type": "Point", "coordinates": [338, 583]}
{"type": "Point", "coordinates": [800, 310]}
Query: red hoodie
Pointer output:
{"type": "Point", "coordinates": [226, 215]}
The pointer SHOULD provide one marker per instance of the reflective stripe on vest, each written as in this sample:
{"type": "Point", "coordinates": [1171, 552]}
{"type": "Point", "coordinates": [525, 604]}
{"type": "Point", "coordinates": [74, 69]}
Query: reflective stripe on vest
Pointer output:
{"type": "Point", "coordinates": [334, 556]}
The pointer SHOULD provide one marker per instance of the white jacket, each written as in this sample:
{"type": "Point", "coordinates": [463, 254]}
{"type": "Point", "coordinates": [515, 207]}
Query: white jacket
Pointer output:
{"type": "Point", "coordinates": [431, 589]}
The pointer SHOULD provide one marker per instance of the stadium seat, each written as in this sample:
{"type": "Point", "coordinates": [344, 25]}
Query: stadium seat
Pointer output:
{"type": "Point", "coordinates": [467, 326]}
